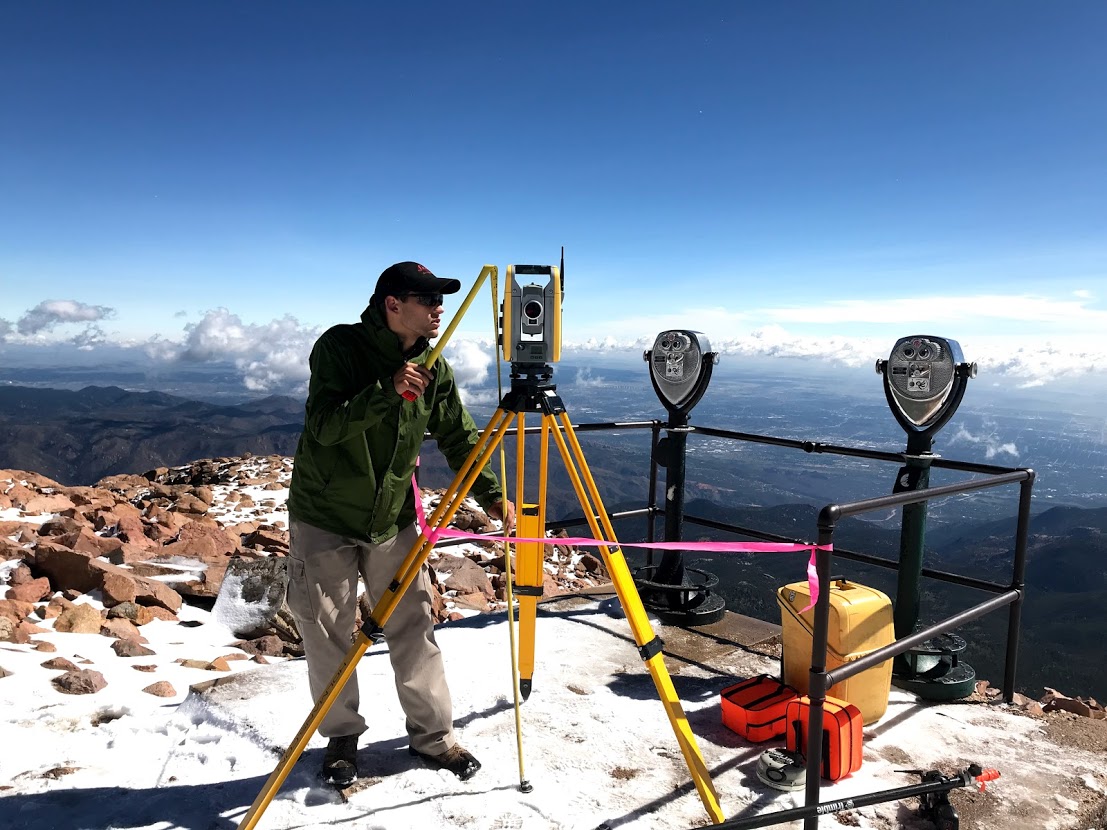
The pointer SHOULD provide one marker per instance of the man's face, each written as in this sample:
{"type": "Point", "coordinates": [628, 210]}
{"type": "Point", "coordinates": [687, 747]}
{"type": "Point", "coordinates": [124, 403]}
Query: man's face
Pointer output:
{"type": "Point", "coordinates": [419, 315]}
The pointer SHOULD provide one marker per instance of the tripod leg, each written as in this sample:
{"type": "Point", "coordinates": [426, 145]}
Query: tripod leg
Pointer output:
{"type": "Point", "coordinates": [528, 567]}
{"type": "Point", "coordinates": [315, 717]}
{"type": "Point", "coordinates": [372, 628]}
{"type": "Point", "coordinates": [649, 645]}
{"type": "Point", "coordinates": [452, 498]}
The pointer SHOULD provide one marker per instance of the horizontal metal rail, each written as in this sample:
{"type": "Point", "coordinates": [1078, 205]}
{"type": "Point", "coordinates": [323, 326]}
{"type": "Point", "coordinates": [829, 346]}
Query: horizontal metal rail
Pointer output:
{"type": "Point", "coordinates": [830, 514]}
{"type": "Point", "coordinates": [854, 452]}
{"type": "Point", "coordinates": [875, 658]}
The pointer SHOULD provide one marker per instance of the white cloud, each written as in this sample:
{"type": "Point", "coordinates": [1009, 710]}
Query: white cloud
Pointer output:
{"type": "Point", "coordinates": [586, 378]}
{"type": "Point", "coordinates": [50, 313]}
{"type": "Point", "coordinates": [992, 445]}
{"type": "Point", "coordinates": [1029, 361]}
{"type": "Point", "coordinates": [470, 361]}
{"type": "Point", "coordinates": [271, 356]}
{"type": "Point", "coordinates": [89, 338]}
{"type": "Point", "coordinates": [1049, 338]}
{"type": "Point", "coordinates": [946, 310]}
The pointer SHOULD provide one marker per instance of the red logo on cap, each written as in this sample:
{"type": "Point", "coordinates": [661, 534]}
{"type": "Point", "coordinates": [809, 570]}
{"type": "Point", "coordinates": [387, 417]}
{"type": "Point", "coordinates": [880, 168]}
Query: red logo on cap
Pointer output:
{"type": "Point", "coordinates": [422, 269]}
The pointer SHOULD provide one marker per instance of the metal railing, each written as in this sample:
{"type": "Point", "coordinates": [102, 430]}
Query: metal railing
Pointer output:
{"type": "Point", "coordinates": [820, 679]}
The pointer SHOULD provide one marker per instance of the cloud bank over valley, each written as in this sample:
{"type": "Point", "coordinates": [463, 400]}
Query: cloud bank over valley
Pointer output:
{"type": "Point", "coordinates": [272, 357]}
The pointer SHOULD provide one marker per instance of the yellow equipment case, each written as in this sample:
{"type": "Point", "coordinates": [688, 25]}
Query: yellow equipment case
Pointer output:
{"type": "Point", "coordinates": [860, 622]}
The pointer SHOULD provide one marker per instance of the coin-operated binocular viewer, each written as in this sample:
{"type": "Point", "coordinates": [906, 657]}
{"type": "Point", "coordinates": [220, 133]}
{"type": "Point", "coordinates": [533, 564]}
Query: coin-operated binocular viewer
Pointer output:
{"type": "Point", "coordinates": [680, 368]}
{"type": "Point", "coordinates": [924, 381]}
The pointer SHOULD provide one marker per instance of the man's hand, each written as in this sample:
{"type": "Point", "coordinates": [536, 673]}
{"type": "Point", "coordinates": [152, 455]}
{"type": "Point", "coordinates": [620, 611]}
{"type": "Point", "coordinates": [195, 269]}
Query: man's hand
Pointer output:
{"type": "Point", "coordinates": [411, 378]}
{"type": "Point", "coordinates": [504, 511]}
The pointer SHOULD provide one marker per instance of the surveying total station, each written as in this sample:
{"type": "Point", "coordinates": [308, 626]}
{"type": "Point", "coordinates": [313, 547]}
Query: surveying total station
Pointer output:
{"type": "Point", "coordinates": [530, 339]}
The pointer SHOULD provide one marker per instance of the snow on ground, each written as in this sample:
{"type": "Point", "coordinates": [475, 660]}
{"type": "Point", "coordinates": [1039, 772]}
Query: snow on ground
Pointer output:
{"type": "Point", "coordinates": [597, 747]}
{"type": "Point", "coordinates": [596, 744]}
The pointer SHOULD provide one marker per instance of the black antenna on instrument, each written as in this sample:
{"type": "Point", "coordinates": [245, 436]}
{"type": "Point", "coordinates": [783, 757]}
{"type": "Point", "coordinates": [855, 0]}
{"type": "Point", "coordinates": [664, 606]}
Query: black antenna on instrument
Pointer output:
{"type": "Point", "coordinates": [562, 271]}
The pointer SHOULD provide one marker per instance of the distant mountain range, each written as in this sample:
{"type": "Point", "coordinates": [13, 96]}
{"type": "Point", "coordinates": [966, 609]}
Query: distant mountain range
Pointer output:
{"type": "Point", "coordinates": [78, 437]}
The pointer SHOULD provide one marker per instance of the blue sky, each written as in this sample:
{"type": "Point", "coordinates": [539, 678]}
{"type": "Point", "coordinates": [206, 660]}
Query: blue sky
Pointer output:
{"type": "Point", "coordinates": [224, 180]}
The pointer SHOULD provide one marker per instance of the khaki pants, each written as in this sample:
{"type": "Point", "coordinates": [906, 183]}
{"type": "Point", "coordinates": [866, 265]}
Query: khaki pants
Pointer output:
{"type": "Point", "coordinates": [322, 596]}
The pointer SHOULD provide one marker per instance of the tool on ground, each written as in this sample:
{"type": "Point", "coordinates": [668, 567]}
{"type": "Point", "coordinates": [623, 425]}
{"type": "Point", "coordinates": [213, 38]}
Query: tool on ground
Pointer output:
{"type": "Point", "coordinates": [782, 770]}
{"type": "Point", "coordinates": [934, 786]}
{"type": "Point", "coordinates": [936, 805]}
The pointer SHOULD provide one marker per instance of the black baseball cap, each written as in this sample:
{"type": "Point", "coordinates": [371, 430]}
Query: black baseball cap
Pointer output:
{"type": "Point", "coordinates": [411, 278]}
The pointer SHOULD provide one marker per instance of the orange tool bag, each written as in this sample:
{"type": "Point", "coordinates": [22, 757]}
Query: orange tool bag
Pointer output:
{"type": "Point", "coordinates": [841, 744]}
{"type": "Point", "coordinates": [756, 708]}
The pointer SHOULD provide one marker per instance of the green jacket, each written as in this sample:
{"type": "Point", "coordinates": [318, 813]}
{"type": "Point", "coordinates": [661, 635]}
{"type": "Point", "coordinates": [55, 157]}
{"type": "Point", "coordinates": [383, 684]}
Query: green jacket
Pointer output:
{"type": "Point", "coordinates": [361, 439]}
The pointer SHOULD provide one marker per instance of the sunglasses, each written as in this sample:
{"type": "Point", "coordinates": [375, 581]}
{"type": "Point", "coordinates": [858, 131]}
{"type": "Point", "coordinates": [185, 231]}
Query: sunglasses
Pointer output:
{"type": "Point", "coordinates": [429, 300]}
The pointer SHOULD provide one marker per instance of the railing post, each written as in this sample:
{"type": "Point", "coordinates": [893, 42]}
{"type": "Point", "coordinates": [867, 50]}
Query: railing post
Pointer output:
{"type": "Point", "coordinates": [816, 689]}
{"type": "Point", "coordinates": [671, 569]}
{"type": "Point", "coordinates": [1018, 583]}
{"type": "Point", "coordinates": [651, 517]}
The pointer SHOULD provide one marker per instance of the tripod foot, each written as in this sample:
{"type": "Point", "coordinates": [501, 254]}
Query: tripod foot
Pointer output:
{"type": "Point", "coordinates": [524, 688]}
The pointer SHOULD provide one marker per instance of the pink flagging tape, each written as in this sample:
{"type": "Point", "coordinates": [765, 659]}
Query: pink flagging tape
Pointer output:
{"type": "Point", "coordinates": [433, 535]}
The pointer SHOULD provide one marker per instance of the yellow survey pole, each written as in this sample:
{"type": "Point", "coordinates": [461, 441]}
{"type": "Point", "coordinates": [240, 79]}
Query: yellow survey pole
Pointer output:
{"type": "Point", "coordinates": [485, 272]}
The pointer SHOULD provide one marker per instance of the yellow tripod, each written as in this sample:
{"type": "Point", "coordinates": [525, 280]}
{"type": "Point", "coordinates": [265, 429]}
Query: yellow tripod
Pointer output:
{"type": "Point", "coordinates": [530, 392]}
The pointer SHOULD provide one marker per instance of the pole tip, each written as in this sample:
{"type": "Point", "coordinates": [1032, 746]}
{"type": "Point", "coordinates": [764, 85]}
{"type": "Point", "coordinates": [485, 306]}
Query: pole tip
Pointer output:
{"type": "Point", "coordinates": [525, 786]}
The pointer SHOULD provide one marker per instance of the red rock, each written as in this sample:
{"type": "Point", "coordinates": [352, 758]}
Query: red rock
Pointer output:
{"type": "Point", "coordinates": [58, 664]}
{"type": "Point", "coordinates": [270, 645]}
{"type": "Point", "coordinates": [159, 613]}
{"type": "Point", "coordinates": [138, 614]}
{"type": "Point", "coordinates": [85, 541]}
{"type": "Point", "coordinates": [44, 646]}
{"type": "Point", "coordinates": [122, 629]}
{"type": "Point", "coordinates": [130, 648]}
{"type": "Point", "coordinates": [28, 629]}
{"type": "Point", "coordinates": [132, 529]}
{"type": "Point", "coordinates": [32, 591]}
{"type": "Point", "coordinates": [55, 607]}
{"type": "Point", "coordinates": [118, 587]}
{"type": "Point", "coordinates": [80, 619]}
{"type": "Point", "coordinates": [10, 549]}
{"type": "Point", "coordinates": [188, 503]}
{"type": "Point", "coordinates": [194, 664]}
{"type": "Point", "coordinates": [465, 576]}
{"type": "Point", "coordinates": [82, 682]}
{"type": "Point", "coordinates": [47, 504]}
{"type": "Point", "coordinates": [15, 610]}
{"type": "Point", "coordinates": [19, 575]}
{"type": "Point", "coordinates": [70, 569]}
{"type": "Point", "coordinates": [66, 568]}
{"type": "Point", "coordinates": [59, 526]}
{"type": "Point", "coordinates": [161, 689]}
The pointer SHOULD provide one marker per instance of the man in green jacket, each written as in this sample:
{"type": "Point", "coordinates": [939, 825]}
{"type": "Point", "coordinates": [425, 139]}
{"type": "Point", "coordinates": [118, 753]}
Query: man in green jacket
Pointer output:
{"type": "Point", "coordinates": [352, 509]}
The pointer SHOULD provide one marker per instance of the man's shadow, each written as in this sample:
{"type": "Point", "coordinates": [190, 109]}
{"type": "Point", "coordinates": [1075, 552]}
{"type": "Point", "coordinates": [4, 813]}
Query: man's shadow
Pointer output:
{"type": "Point", "coordinates": [201, 806]}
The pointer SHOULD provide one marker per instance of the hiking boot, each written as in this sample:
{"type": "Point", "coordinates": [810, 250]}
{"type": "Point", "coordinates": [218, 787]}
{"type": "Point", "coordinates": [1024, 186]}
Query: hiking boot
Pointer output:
{"type": "Point", "coordinates": [340, 761]}
{"type": "Point", "coordinates": [455, 759]}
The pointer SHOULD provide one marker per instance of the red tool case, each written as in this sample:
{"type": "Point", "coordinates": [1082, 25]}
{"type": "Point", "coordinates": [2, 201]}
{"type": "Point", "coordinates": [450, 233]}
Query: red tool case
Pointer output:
{"type": "Point", "coordinates": [841, 744]}
{"type": "Point", "coordinates": [756, 708]}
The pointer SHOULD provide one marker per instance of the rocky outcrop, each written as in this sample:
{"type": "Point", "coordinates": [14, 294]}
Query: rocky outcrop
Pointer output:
{"type": "Point", "coordinates": [144, 545]}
